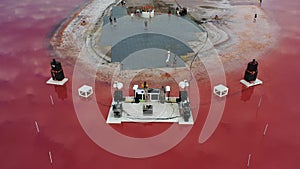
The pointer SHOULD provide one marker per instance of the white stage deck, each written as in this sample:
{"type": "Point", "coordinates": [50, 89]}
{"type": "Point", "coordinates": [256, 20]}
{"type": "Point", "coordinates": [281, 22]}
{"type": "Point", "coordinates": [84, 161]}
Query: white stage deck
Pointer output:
{"type": "Point", "coordinates": [133, 112]}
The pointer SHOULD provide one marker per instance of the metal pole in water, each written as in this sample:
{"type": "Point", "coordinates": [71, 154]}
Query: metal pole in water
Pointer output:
{"type": "Point", "coordinates": [37, 127]}
{"type": "Point", "coordinates": [266, 128]}
{"type": "Point", "coordinates": [249, 159]}
{"type": "Point", "coordinates": [50, 157]}
{"type": "Point", "coordinates": [51, 99]}
{"type": "Point", "coordinates": [259, 103]}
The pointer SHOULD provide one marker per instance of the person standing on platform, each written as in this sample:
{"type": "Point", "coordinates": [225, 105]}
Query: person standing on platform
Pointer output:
{"type": "Point", "coordinates": [146, 86]}
{"type": "Point", "coordinates": [162, 95]}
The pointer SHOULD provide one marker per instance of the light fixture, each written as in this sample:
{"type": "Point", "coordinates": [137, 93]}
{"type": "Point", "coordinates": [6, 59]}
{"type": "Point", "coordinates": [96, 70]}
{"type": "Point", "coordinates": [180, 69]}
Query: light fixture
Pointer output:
{"type": "Point", "coordinates": [184, 84]}
{"type": "Point", "coordinates": [117, 85]}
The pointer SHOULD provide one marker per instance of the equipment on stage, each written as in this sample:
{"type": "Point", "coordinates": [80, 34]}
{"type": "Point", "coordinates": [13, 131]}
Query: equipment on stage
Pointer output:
{"type": "Point", "coordinates": [186, 114]}
{"type": "Point", "coordinates": [117, 109]}
{"type": "Point", "coordinates": [148, 109]}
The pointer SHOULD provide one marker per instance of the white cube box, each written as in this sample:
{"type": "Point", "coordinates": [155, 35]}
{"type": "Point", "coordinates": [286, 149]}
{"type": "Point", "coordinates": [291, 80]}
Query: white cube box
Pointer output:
{"type": "Point", "coordinates": [220, 90]}
{"type": "Point", "coordinates": [85, 91]}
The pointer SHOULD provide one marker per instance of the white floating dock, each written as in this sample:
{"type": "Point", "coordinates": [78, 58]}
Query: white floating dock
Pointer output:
{"type": "Point", "coordinates": [248, 84]}
{"type": "Point", "coordinates": [56, 82]}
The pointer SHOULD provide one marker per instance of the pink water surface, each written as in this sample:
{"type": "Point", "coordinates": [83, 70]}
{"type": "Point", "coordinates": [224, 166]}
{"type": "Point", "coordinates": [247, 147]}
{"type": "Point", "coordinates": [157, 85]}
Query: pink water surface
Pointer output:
{"type": "Point", "coordinates": [24, 98]}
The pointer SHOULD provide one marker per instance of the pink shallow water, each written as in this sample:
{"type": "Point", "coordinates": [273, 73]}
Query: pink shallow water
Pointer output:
{"type": "Point", "coordinates": [24, 98]}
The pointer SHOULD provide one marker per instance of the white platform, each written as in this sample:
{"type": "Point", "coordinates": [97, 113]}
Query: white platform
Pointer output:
{"type": "Point", "coordinates": [85, 91]}
{"type": "Point", "coordinates": [220, 90]}
{"type": "Point", "coordinates": [56, 82]}
{"type": "Point", "coordinates": [133, 112]}
{"type": "Point", "coordinates": [248, 84]}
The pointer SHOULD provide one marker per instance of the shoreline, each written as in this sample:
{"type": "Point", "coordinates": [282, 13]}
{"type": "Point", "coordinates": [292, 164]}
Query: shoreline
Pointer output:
{"type": "Point", "coordinates": [222, 36]}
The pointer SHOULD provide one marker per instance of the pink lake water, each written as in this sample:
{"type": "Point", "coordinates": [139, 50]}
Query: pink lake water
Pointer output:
{"type": "Point", "coordinates": [24, 98]}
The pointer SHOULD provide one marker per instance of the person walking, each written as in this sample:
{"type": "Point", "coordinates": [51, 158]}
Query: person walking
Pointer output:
{"type": "Point", "coordinates": [110, 20]}
{"type": "Point", "coordinates": [255, 17]}
{"type": "Point", "coordinates": [260, 2]}
{"type": "Point", "coordinates": [168, 58]}
{"type": "Point", "coordinates": [175, 61]}
{"type": "Point", "coordinates": [146, 24]}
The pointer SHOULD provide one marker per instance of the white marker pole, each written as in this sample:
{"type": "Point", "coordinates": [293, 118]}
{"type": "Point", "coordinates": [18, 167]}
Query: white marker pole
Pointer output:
{"type": "Point", "coordinates": [51, 99]}
{"type": "Point", "coordinates": [37, 126]}
{"type": "Point", "coordinates": [50, 157]}
{"type": "Point", "coordinates": [249, 159]}
{"type": "Point", "coordinates": [259, 103]}
{"type": "Point", "coordinates": [266, 128]}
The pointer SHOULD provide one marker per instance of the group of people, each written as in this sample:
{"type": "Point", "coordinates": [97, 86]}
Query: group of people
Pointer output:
{"type": "Point", "coordinates": [113, 21]}
{"type": "Point", "coordinates": [123, 2]}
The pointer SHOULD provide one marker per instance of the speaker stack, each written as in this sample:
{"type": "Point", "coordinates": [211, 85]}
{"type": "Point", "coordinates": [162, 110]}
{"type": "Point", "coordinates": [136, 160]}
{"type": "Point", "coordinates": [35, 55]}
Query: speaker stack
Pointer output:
{"type": "Point", "coordinates": [251, 71]}
{"type": "Point", "coordinates": [57, 72]}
